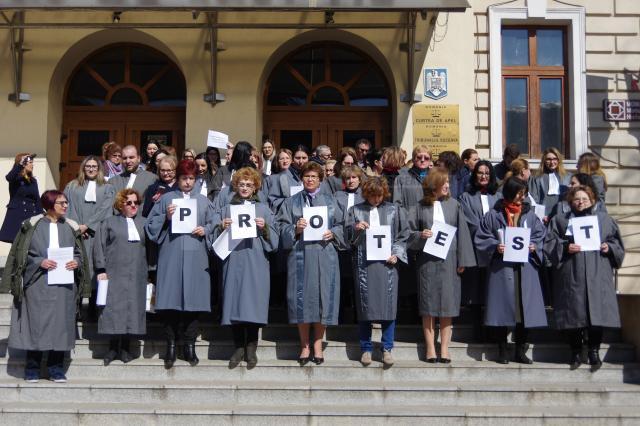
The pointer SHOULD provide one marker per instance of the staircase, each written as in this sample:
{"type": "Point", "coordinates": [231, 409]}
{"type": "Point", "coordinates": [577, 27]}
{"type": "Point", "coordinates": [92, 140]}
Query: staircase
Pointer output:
{"type": "Point", "coordinates": [471, 390]}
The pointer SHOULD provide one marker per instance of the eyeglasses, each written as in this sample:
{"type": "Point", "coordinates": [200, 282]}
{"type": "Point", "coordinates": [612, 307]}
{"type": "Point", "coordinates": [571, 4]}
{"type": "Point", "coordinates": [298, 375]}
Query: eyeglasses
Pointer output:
{"type": "Point", "coordinates": [581, 200]}
{"type": "Point", "coordinates": [62, 203]}
{"type": "Point", "coordinates": [91, 167]}
{"type": "Point", "coordinates": [484, 174]}
{"type": "Point", "coordinates": [423, 157]}
{"type": "Point", "coordinates": [551, 159]}
{"type": "Point", "coordinates": [310, 177]}
{"type": "Point", "coordinates": [131, 203]}
{"type": "Point", "coordinates": [165, 171]}
{"type": "Point", "coordinates": [246, 185]}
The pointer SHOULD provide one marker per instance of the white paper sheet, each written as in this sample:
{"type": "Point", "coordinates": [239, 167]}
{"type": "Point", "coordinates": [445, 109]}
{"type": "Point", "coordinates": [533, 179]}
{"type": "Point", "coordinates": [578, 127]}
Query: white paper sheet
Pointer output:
{"type": "Point", "coordinates": [224, 245]}
{"type": "Point", "coordinates": [103, 288]}
{"type": "Point", "coordinates": [217, 139]}
{"type": "Point", "coordinates": [438, 245]}
{"type": "Point", "coordinates": [317, 222]}
{"type": "Point", "coordinates": [379, 242]}
{"type": "Point", "coordinates": [60, 275]}
{"type": "Point", "coordinates": [293, 190]}
{"type": "Point", "coordinates": [516, 242]}
{"type": "Point", "coordinates": [243, 221]}
{"type": "Point", "coordinates": [586, 232]}
{"type": "Point", "coordinates": [185, 218]}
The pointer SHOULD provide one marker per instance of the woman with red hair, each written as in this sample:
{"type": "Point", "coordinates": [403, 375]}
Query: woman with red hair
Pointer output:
{"type": "Point", "coordinates": [183, 283]}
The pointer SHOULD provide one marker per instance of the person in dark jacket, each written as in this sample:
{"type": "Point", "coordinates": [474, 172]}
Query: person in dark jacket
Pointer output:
{"type": "Point", "coordinates": [24, 197]}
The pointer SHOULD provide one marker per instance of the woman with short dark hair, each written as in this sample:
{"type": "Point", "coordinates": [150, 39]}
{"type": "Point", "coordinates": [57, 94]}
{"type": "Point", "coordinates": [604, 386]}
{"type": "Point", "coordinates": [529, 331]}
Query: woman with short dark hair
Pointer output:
{"type": "Point", "coordinates": [119, 256]}
{"type": "Point", "coordinates": [585, 299]}
{"type": "Point", "coordinates": [313, 282]}
{"type": "Point", "coordinates": [43, 316]}
{"type": "Point", "coordinates": [514, 296]}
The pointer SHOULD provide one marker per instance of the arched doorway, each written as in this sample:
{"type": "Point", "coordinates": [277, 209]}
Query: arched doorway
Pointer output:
{"type": "Point", "coordinates": [128, 93]}
{"type": "Point", "coordinates": [327, 93]}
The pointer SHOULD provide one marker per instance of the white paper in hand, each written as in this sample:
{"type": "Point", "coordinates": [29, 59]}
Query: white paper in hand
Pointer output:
{"type": "Point", "coordinates": [185, 218]}
{"type": "Point", "coordinates": [243, 221]}
{"type": "Point", "coordinates": [586, 232]}
{"type": "Point", "coordinates": [103, 288]}
{"type": "Point", "coordinates": [217, 139]}
{"type": "Point", "coordinates": [60, 275]}
{"type": "Point", "coordinates": [379, 242]}
{"type": "Point", "coordinates": [317, 222]}
{"type": "Point", "coordinates": [224, 245]}
{"type": "Point", "coordinates": [438, 245]}
{"type": "Point", "coordinates": [516, 244]}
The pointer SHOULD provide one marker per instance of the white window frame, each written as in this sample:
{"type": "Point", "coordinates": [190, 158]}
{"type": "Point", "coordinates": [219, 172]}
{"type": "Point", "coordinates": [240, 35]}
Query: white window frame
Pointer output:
{"type": "Point", "coordinates": [574, 19]}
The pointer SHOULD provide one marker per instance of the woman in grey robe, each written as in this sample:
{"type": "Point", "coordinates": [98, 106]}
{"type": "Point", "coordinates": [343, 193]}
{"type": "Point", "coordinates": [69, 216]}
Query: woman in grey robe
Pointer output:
{"type": "Point", "coordinates": [90, 200]}
{"type": "Point", "coordinates": [245, 284]}
{"type": "Point", "coordinates": [120, 257]}
{"type": "Point", "coordinates": [376, 283]}
{"type": "Point", "coordinates": [543, 187]}
{"type": "Point", "coordinates": [585, 294]}
{"type": "Point", "coordinates": [313, 281]}
{"type": "Point", "coordinates": [351, 178]}
{"type": "Point", "coordinates": [476, 202]}
{"type": "Point", "coordinates": [43, 315]}
{"type": "Point", "coordinates": [183, 286]}
{"type": "Point", "coordinates": [514, 296]}
{"type": "Point", "coordinates": [439, 279]}
{"type": "Point", "coordinates": [283, 184]}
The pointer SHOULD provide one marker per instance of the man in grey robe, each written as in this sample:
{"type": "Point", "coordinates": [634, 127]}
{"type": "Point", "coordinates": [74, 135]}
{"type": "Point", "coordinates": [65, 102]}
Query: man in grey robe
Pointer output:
{"type": "Point", "coordinates": [142, 179]}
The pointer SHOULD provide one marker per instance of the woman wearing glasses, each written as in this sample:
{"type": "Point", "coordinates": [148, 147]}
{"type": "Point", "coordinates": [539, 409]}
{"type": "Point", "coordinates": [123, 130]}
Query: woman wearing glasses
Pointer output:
{"type": "Point", "coordinates": [167, 183]}
{"type": "Point", "coordinates": [245, 290]}
{"type": "Point", "coordinates": [43, 317]}
{"type": "Point", "coordinates": [90, 202]}
{"type": "Point", "coordinates": [313, 281]}
{"type": "Point", "coordinates": [24, 198]}
{"type": "Point", "coordinates": [119, 256]}
{"type": "Point", "coordinates": [584, 292]}
{"type": "Point", "coordinates": [551, 182]}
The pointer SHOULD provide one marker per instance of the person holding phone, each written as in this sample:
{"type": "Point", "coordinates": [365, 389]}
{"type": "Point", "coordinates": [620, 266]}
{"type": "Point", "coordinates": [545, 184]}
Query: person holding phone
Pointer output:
{"type": "Point", "coordinates": [24, 197]}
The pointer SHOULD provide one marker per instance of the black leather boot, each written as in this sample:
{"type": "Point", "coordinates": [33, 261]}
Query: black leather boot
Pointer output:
{"type": "Point", "coordinates": [252, 356]}
{"type": "Point", "coordinates": [594, 359]}
{"type": "Point", "coordinates": [170, 355]}
{"type": "Point", "coordinates": [125, 351]}
{"type": "Point", "coordinates": [190, 354]}
{"type": "Point", "coordinates": [576, 358]}
{"type": "Point", "coordinates": [112, 353]}
{"type": "Point", "coordinates": [521, 354]}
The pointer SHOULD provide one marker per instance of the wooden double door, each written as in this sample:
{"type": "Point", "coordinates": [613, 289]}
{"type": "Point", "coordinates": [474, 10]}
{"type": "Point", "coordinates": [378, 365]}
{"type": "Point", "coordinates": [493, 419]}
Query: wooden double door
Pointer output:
{"type": "Point", "coordinates": [336, 129]}
{"type": "Point", "coordinates": [85, 132]}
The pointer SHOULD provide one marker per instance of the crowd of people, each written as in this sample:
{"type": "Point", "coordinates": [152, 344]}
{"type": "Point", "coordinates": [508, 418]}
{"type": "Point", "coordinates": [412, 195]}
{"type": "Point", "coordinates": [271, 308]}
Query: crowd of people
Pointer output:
{"type": "Point", "coordinates": [117, 226]}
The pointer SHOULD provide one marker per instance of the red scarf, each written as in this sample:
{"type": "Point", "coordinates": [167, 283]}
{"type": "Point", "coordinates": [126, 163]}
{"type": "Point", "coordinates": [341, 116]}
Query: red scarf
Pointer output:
{"type": "Point", "coordinates": [511, 210]}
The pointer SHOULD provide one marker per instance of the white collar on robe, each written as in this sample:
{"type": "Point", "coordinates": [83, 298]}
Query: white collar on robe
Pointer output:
{"type": "Point", "coordinates": [438, 213]}
{"type": "Point", "coordinates": [132, 230]}
{"type": "Point", "coordinates": [90, 193]}
{"type": "Point", "coordinates": [54, 241]}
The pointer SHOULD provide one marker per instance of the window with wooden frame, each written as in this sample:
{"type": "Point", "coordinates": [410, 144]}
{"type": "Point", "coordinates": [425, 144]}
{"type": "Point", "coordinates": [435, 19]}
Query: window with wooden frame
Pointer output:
{"type": "Point", "coordinates": [535, 89]}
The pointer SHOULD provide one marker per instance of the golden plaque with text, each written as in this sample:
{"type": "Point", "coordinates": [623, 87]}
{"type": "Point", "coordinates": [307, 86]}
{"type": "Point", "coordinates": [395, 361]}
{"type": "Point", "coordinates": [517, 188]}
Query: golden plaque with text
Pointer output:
{"type": "Point", "coordinates": [437, 126]}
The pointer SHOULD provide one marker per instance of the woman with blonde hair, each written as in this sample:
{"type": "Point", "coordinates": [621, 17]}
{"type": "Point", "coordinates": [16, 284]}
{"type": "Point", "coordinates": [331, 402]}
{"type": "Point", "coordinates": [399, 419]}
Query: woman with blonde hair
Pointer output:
{"type": "Point", "coordinates": [589, 163]}
{"type": "Point", "coordinates": [551, 182]}
{"type": "Point", "coordinates": [439, 282]}
{"type": "Point", "coordinates": [24, 197]}
{"type": "Point", "coordinates": [245, 290]}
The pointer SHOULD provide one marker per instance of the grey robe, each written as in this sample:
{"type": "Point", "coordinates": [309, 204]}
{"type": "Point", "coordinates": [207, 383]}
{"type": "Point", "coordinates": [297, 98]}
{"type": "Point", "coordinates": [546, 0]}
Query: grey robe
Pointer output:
{"type": "Point", "coordinates": [584, 291]}
{"type": "Point", "coordinates": [539, 186]}
{"type": "Point", "coordinates": [245, 272]}
{"type": "Point", "coordinates": [221, 180]}
{"type": "Point", "coordinates": [89, 213]}
{"type": "Point", "coordinates": [407, 189]}
{"type": "Point", "coordinates": [313, 278]}
{"type": "Point", "coordinates": [144, 179]}
{"type": "Point", "coordinates": [473, 279]}
{"type": "Point", "coordinates": [331, 185]}
{"type": "Point", "coordinates": [183, 263]}
{"type": "Point", "coordinates": [125, 264]}
{"type": "Point", "coordinates": [376, 282]}
{"type": "Point", "coordinates": [46, 318]}
{"type": "Point", "coordinates": [208, 179]}
{"type": "Point", "coordinates": [502, 276]}
{"type": "Point", "coordinates": [280, 188]}
{"type": "Point", "coordinates": [439, 285]}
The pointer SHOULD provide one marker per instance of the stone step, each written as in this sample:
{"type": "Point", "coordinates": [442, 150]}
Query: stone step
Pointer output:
{"type": "Point", "coordinates": [269, 350]}
{"type": "Point", "coordinates": [53, 414]}
{"type": "Point", "coordinates": [288, 370]}
{"type": "Point", "coordinates": [344, 332]}
{"type": "Point", "coordinates": [335, 393]}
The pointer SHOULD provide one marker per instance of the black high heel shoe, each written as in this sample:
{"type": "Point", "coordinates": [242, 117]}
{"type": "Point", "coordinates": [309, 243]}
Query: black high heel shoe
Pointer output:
{"type": "Point", "coordinates": [317, 360]}
{"type": "Point", "coordinates": [304, 360]}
